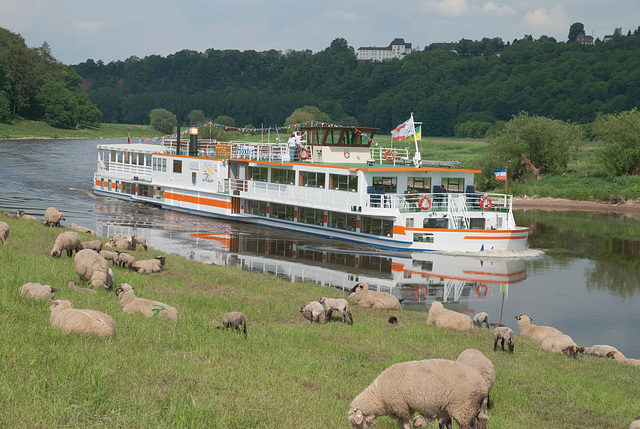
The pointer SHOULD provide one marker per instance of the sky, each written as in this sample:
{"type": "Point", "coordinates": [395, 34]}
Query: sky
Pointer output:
{"type": "Point", "coordinates": [78, 30]}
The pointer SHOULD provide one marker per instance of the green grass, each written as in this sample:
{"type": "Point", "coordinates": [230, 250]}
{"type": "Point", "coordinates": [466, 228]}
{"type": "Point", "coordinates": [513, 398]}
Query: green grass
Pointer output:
{"type": "Point", "coordinates": [22, 129]}
{"type": "Point", "coordinates": [288, 373]}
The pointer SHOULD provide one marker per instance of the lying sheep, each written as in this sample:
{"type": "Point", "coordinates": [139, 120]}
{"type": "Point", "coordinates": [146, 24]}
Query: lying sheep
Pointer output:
{"type": "Point", "coordinates": [316, 311]}
{"type": "Point", "coordinates": [599, 350]}
{"type": "Point", "coordinates": [480, 318]}
{"type": "Point", "coordinates": [373, 299]}
{"type": "Point", "coordinates": [561, 344]}
{"type": "Point", "coordinates": [503, 333]}
{"type": "Point", "coordinates": [141, 241]}
{"type": "Point", "coordinates": [124, 259]}
{"type": "Point", "coordinates": [618, 356]}
{"type": "Point", "coordinates": [131, 304]}
{"type": "Point", "coordinates": [537, 333]}
{"type": "Point", "coordinates": [635, 424]}
{"type": "Point", "coordinates": [93, 245]}
{"type": "Point", "coordinates": [70, 319]}
{"type": "Point", "coordinates": [52, 217]}
{"type": "Point", "coordinates": [110, 256]}
{"type": "Point", "coordinates": [236, 319]}
{"type": "Point", "coordinates": [25, 216]}
{"type": "Point", "coordinates": [4, 232]}
{"type": "Point", "coordinates": [111, 243]}
{"type": "Point", "coordinates": [445, 318]}
{"type": "Point", "coordinates": [67, 241]}
{"type": "Point", "coordinates": [431, 387]}
{"type": "Point", "coordinates": [339, 304]}
{"type": "Point", "coordinates": [37, 291]}
{"type": "Point", "coordinates": [75, 287]}
{"type": "Point", "coordinates": [11, 215]}
{"type": "Point", "coordinates": [90, 265]}
{"type": "Point", "coordinates": [83, 229]}
{"type": "Point", "coordinates": [149, 266]}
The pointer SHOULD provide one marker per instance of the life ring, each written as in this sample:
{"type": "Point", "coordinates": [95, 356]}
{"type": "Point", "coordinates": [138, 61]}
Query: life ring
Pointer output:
{"type": "Point", "coordinates": [481, 291]}
{"type": "Point", "coordinates": [347, 154]}
{"type": "Point", "coordinates": [421, 293]}
{"type": "Point", "coordinates": [422, 206]}
{"type": "Point", "coordinates": [389, 155]}
{"type": "Point", "coordinates": [303, 153]}
{"type": "Point", "coordinates": [485, 202]}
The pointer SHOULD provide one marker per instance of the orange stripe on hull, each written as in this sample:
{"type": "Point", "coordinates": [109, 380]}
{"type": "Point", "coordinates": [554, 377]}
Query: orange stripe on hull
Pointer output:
{"type": "Point", "coordinates": [487, 237]}
{"type": "Point", "coordinates": [197, 200]}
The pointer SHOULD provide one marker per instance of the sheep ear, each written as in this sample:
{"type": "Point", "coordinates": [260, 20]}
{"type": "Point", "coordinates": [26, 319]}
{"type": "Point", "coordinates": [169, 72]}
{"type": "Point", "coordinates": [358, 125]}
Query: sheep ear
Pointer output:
{"type": "Point", "coordinates": [358, 417]}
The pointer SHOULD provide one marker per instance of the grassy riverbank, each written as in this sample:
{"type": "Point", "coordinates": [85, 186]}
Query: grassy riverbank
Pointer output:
{"type": "Point", "coordinates": [288, 373]}
{"type": "Point", "coordinates": [23, 129]}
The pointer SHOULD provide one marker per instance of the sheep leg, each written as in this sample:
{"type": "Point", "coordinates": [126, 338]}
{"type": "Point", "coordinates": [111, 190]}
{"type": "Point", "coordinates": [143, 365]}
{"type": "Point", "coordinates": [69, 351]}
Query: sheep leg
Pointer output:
{"type": "Point", "coordinates": [350, 316]}
{"type": "Point", "coordinates": [328, 316]}
{"type": "Point", "coordinates": [495, 344]}
{"type": "Point", "coordinates": [344, 317]}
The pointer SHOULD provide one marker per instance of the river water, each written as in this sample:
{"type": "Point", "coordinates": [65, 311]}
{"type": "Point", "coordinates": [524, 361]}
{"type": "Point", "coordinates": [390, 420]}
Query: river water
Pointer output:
{"type": "Point", "coordinates": [580, 275]}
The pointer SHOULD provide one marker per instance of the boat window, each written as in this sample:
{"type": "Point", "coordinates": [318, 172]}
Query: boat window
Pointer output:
{"type": "Point", "coordinates": [435, 223]}
{"type": "Point", "coordinates": [422, 238]}
{"type": "Point", "coordinates": [164, 164]}
{"type": "Point", "coordinates": [409, 222]}
{"type": "Point", "coordinates": [312, 178]}
{"type": "Point", "coordinates": [311, 216]}
{"type": "Point", "coordinates": [113, 156]}
{"type": "Point", "coordinates": [453, 184]}
{"type": "Point", "coordinates": [280, 175]}
{"type": "Point", "coordinates": [147, 160]}
{"type": "Point", "coordinates": [375, 226]}
{"type": "Point", "coordinates": [343, 182]}
{"type": "Point", "coordinates": [476, 223]}
{"type": "Point", "coordinates": [281, 211]}
{"type": "Point", "coordinates": [259, 174]}
{"type": "Point", "coordinates": [177, 166]}
{"type": "Point", "coordinates": [419, 185]}
{"type": "Point", "coordinates": [342, 221]}
{"type": "Point", "coordinates": [120, 157]}
{"type": "Point", "coordinates": [390, 184]}
{"type": "Point", "coordinates": [258, 208]}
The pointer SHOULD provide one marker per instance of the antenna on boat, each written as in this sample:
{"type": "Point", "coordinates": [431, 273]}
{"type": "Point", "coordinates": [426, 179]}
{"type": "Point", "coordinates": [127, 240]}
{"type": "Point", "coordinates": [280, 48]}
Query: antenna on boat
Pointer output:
{"type": "Point", "coordinates": [416, 158]}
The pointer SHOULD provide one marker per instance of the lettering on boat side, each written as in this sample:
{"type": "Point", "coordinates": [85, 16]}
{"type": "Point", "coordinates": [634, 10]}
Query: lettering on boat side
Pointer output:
{"type": "Point", "coordinates": [208, 174]}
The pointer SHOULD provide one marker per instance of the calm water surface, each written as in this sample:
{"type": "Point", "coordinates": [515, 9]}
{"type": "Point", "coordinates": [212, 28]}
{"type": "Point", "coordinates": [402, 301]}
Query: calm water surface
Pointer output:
{"type": "Point", "coordinates": [581, 275]}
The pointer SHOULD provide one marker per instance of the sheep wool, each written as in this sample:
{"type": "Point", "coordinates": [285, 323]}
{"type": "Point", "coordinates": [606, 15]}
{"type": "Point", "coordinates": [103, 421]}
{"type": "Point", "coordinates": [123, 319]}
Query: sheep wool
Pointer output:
{"type": "Point", "coordinates": [4, 232]}
{"type": "Point", "coordinates": [316, 311]}
{"type": "Point", "coordinates": [373, 299]}
{"type": "Point", "coordinates": [635, 424]}
{"type": "Point", "coordinates": [236, 319]}
{"type": "Point", "coordinates": [37, 291]}
{"type": "Point", "coordinates": [75, 287]}
{"type": "Point", "coordinates": [503, 333]}
{"type": "Point", "coordinates": [25, 216]}
{"type": "Point", "coordinates": [480, 318]}
{"type": "Point", "coordinates": [599, 350]}
{"type": "Point", "coordinates": [141, 241]}
{"type": "Point", "coordinates": [83, 321]}
{"type": "Point", "coordinates": [339, 304]}
{"type": "Point", "coordinates": [82, 229]}
{"type": "Point", "coordinates": [93, 245]}
{"type": "Point", "coordinates": [561, 344]}
{"type": "Point", "coordinates": [535, 332]}
{"type": "Point", "coordinates": [131, 304]}
{"type": "Point", "coordinates": [109, 256]}
{"type": "Point", "coordinates": [52, 217]}
{"type": "Point", "coordinates": [125, 259]}
{"type": "Point", "coordinates": [445, 318]}
{"type": "Point", "coordinates": [66, 242]}
{"type": "Point", "coordinates": [90, 265]}
{"type": "Point", "coordinates": [149, 266]}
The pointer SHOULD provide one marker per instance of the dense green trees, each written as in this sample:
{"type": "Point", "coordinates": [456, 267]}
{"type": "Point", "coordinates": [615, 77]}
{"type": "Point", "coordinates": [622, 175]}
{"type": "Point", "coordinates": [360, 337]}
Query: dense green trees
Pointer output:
{"type": "Point", "coordinates": [163, 120]}
{"type": "Point", "coordinates": [620, 135]}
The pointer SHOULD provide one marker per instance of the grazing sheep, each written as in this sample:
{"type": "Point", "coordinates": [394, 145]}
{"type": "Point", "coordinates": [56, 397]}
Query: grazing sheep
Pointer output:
{"type": "Point", "coordinates": [25, 216]}
{"type": "Point", "coordinates": [93, 245]}
{"type": "Point", "coordinates": [67, 241]}
{"type": "Point", "coordinates": [373, 299]}
{"type": "Point", "coordinates": [431, 387]}
{"type": "Point", "coordinates": [90, 265]}
{"type": "Point", "coordinates": [445, 318]}
{"type": "Point", "coordinates": [52, 217]}
{"type": "Point", "coordinates": [131, 304]}
{"type": "Point", "coordinates": [82, 229]}
{"type": "Point", "coordinates": [75, 287]}
{"type": "Point", "coordinates": [635, 424]}
{"type": "Point", "coordinates": [125, 259]}
{"type": "Point", "coordinates": [537, 333]}
{"type": "Point", "coordinates": [235, 319]}
{"type": "Point", "coordinates": [110, 256]}
{"type": "Point", "coordinates": [64, 316]}
{"type": "Point", "coordinates": [37, 291]}
{"type": "Point", "coordinates": [599, 350]}
{"type": "Point", "coordinates": [149, 266]}
{"type": "Point", "coordinates": [394, 322]}
{"type": "Point", "coordinates": [125, 243]}
{"type": "Point", "coordinates": [503, 333]}
{"type": "Point", "coordinates": [316, 311]}
{"type": "Point", "coordinates": [481, 317]}
{"type": "Point", "coordinates": [561, 344]}
{"type": "Point", "coordinates": [141, 241]}
{"type": "Point", "coordinates": [618, 356]}
{"type": "Point", "coordinates": [339, 304]}
{"type": "Point", "coordinates": [4, 232]}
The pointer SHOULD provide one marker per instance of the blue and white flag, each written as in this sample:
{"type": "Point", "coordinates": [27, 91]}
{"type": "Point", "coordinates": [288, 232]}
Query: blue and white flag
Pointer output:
{"type": "Point", "coordinates": [500, 174]}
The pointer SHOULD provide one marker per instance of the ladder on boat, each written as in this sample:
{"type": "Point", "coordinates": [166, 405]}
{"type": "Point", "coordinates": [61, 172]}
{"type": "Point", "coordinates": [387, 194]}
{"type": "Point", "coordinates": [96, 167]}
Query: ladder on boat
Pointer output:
{"type": "Point", "coordinates": [457, 211]}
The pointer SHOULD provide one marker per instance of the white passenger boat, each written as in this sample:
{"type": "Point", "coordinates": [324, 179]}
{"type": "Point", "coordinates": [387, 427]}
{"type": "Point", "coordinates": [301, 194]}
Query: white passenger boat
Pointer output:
{"type": "Point", "coordinates": [334, 184]}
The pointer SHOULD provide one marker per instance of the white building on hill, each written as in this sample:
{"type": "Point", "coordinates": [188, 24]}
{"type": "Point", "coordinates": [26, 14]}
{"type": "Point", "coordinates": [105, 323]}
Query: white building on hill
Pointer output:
{"type": "Point", "coordinates": [396, 49]}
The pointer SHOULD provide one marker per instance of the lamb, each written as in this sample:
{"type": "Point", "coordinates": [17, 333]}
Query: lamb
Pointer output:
{"type": "Point", "coordinates": [599, 350]}
{"type": "Point", "coordinates": [431, 387]}
{"type": "Point", "coordinates": [125, 259]}
{"type": "Point", "coordinates": [131, 304]}
{"type": "Point", "coordinates": [25, 216]}
{"type": "Point", "coordinates": [87, 322]}
{"type": "Point", "coordinates": [235, 319]}
{"type": "Point", "coordinates": [110, 256]}
{"type": "Point", "coordinates": [37, 291]}
{"type": "Point", "coordinates": [83, 229]}
{"type": "Point", "coordinates": [444, 318]}
{"type": "Point", "coordinates": [373, 299]}
{"type": "Point", "coordinates": [394, 322]}
{"type": "Point", "coordinates": [537, 333]}
{"type": "Point", "coordinates": [52, 217]}
{"type": "Point", "coordinates": [316, 311]}
{"type": "Point", "coordinates": [560, 344]}
{"type": "Point", "coordinates": [618, 356]}
{"type": "Point", "coordinates": [503, 333]}
{"type": "Point", "coordinates": [481, 317]}
{"type": "Point", "coordinates": [149, 265]}
{"type": "Point", "coordinates": [4, 232]}
{"type": "Point", "coordinates": [141, 241]}
{"type": "Point", "coordinates": [93, 245]}
{"type": "Point", "coordinates": [339, 304]}
{"type": "Point", "coordinates": [75, 287]}
{"type": "Point", "coordinates": [90, 265]}
{"type": "Point", "coordinates": [67, 241]}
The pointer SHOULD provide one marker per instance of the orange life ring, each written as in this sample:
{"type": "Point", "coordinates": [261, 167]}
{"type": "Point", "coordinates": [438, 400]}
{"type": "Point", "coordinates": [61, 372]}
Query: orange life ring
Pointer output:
{"type": "Point", "coordinates": [482, 202]}
{"type": "Point", "coordinates": [481, 291]}
{"type": "Point", "coordinates": [422, 198]}
{"type": "Point", "coordinates": [347, 154]}
{"type": "Point", "coordinates": [303, 153]}
{"type": "Point", "coordinates": [421, 293]}
{"type": "Point", "coordinates": [389, 155]}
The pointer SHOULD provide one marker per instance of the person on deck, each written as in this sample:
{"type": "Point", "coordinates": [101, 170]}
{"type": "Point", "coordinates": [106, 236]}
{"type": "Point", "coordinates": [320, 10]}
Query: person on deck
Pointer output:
{"type": "Point", "coordinates": [293, 146]}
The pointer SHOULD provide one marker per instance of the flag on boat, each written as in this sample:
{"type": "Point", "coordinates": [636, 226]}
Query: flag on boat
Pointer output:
{"type": "Point", "coordinates": [500, 174]}
{"type": "Point", "coordinates": [403, 130]}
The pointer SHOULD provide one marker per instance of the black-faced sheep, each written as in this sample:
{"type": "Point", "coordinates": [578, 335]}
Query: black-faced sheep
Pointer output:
{"type": "Point", "coordinates": [599, 350]}
{"type": "Point", "coordinates": [111, 243]}
{"type": "Point", "coordinates": [110, 256]}
{"type": "Point", "coordinates": [74, 286]}
{"type": "Point", "coordinates": [82, 229]}
{"type": "Point", "coordinates": [316, 311]}
{"type": "Point", "coordinates": [339, 304]}
{"type": "Point", "coordinates": [131, 304]}
{"type": "Point", "coordinates": [25, 216]}
{"type": "Point", "coordinates": [37, 291]}
{"type": "Point", "coordinates": [124, 259]}
{"type": "Point", "coordinates": [149, 266]}
{"type": "Point", "coordinates": [445, 318]}
{"type": "Point", "coordinates": [432, 388]}
{"type": "Point", "coordinates": [4, 232]}
{"type": "Point", "coordinates": [535, 332]}
{"type": "Point", "coordinates": [561, 344]}
{"type": "Point", "coordinates": [234, 319]}
{"type": "Point", "coordinates": [480, 318]}
{"type": "Point", "coordinates": [618, 356]}
{"type": "Point", "coordinates": [141, 241]}
{"type": "Point", "coordinates": [93, 245]}
{"type": "Point", "coordinates": [67, 241]}
{"type": "Point", "coordinates": [503, 333]}
{"type": "Point", "coordinates": [52, 217]}
{"type": "Point", "coordinates": [394, 322]}
{"type": "Point", "coordinates": [90, 265]}
{"type": "Point", "coordinates": [373, 299]}
{"type": "Point", "coordinates": [83, 321]}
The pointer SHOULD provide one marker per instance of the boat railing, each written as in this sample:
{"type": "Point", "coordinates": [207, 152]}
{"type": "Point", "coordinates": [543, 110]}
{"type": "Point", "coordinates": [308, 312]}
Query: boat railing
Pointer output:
{"type": "Point", "coordinates": [287, 193]}
{"type": "Point", "coordinates": [393, 155]}
{"type": "Point", "coordinates": [119, 167]}
{"type": "Point", "coordinates": [456, 203]}
{"type": "Point", "coordinates": [272, 152]}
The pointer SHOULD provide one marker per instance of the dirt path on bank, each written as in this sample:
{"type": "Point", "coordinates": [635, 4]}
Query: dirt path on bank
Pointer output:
{"type": "Point", "coordinates": [560, 204]}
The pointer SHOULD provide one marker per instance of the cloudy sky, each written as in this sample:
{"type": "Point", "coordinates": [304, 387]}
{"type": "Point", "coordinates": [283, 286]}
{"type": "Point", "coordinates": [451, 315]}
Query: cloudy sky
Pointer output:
{"type": "Point", "coordinates": [77, 30]}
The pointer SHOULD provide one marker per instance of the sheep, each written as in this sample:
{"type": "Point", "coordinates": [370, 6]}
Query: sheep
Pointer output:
{"type": "Point", "coordinates": [52, 217]}
{"type": "Point", "coordinates": [373, 299]}
{"type": "Point", "coordinates": [141, 241]}
{"type": "Point", "coordinates": [537, 333]}
{"type": "Point", "coordinates": [481, 317]}
{"type": "Point", "coordinates": [93, 245]}
{"type": "Point", "coordinates": [560, 344]}
{"type": "Point", "coordinates": [635, 424]}
{"type": "Point", "coordinates": [67, 241]}
{"type": "Point", "coordinates": [4, 232]}
{"type": "Point", "coordinates": [111, 243]}
{"type": "Point", "coordinates": [75, 287]}
{"type": "Point", "coordinates": [445, 318]}
{"type": "Point", "coordinates": [503, 333]}
{"type": "Point", "coordinates": [11, 215]}
{"type": "Point", "coordinates": [235, 319]}
{"type": "Point", "coordinates": [125, 243]}
{"type": "Point", "coordinates": [70, 319]}
{"type": "Point", "coordinates": [618, 356]}
{"type": "Point", "coordinates": [149, 265]}
{"type": "Point", "coordinates": [37, 291]}
{"type": "Point", "coordinates": [394, 322]}
{"type": "Point", "coordinates": [339, 304]}
{"type": "Point", "coordinates": [109, 256]}
{"type": "Point", "coordinates": [83, 229]}
{"type": "Point", "coordinates": [25, 216]}
{"type": "Point", "coordinates": [90, 265]}
{"type": "Point", "coordinates": [125, 259]}
{"type": "Point", "coordinates": [431, 387]}
{"type": "Point", "coordinates": [131, 304]}
{"type": "Point", "coordinates": [599, 350]}
{"type": "Point", "coordinates": [316, 311]}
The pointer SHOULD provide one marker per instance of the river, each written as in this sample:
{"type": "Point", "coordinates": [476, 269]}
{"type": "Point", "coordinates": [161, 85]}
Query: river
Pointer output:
{"type": "Point", "coordinates": [581, 274]}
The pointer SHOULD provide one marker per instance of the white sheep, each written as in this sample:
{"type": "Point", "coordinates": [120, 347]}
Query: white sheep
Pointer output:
{"type": "Point", "coordinates": [67, 241]}
{"type": "Point", "coordinates": [90, 265]}
{"type": "Point", "coordinates": [431, 387]}
{"type": "Point", "coordinates": [503, 333]}
{"type": "Point", "coordinates": [480, 318]}
{"type": "Point", "coordinates": [82, 229]}
{"type": "Point", "coordinates": [111, 243]}
{"type": "Point", "coordinates": [316, 311]}
{"type": "Point", "coordinates": [4, 232]}
{"type": "Point", "coordinates": [618, 356]}
{"type": "Point", "coordinates": [236, 319]}
{"type": "Point", "coordinates": [149, 266]}
{"type": "Point", "coordinates": [93, 245]}
{"type": "Point", "coordinates": [537, 333]}
{"type": "Point", "coordinates": [110, 256]}
{"type": "Point", "coordinates": [70, 319]}
{"type": "Point", "coordinates": [445, 318]}
{"type": "Point", "coordinates": [37, 291]}
{"type": "Point", "coordinates": [125, 259]}
{"type": "Point", "coordinates": [339, 304]}
{"type": "Point", "coordinates": [635, 424]}
{"type": "Point", "coordinates": [141, 241]}
{"type": "Point", "coordinates": [373, 299]}
{"type": "Point", "coordinates": [25, 216]}
{"type": "Point", "coordinates": [52, 217]}
{"type": "Point", "coordinates": [561, 344]}
{"type": "Point", "coordinates": [131, 304]}
{"type": "Point", "coordinates": [599, 350]}
{"type": "Point", "coordinates": [75, 287]}
{"type": "Point", "coordinates": [125, 243]}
